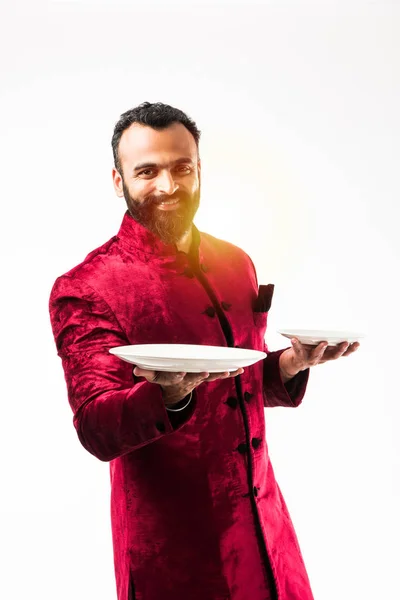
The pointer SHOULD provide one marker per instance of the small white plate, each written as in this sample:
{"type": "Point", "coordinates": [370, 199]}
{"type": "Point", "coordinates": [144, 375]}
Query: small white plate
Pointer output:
{"type": "Point", "coordinates": [187, 358]}
{"type": "Point", "coordinates": [316, 336]}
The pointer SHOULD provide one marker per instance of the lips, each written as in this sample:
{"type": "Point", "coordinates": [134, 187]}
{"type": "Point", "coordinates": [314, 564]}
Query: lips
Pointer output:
{"type": "Point", "coordinates": [170, 201]}
{"type": "Point", "coordinates": [169, 206]}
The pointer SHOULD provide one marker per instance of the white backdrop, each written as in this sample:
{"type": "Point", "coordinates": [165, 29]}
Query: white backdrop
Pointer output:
{"type": "Point", "coordinates": [298, 104]}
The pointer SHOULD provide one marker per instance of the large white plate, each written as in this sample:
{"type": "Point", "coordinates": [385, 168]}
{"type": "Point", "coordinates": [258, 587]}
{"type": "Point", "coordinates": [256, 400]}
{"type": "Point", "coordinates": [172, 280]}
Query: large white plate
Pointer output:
{"type": "Point", "coordinates": [315, 336]}
{"type": "Point", "coordinates": [187, 358]}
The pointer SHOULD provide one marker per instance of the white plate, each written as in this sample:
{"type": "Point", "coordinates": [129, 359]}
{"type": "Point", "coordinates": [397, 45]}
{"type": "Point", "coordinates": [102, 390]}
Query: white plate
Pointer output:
{"type": "Point", "coordinates": [315, 336]}
{"type": "Point", "coordinates": [187, 358]}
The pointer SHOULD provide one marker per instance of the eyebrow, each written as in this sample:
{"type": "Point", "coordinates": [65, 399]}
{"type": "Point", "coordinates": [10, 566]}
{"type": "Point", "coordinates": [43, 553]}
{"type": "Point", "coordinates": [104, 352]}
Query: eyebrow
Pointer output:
{"type": "Point", "coordinates": [147, 165]}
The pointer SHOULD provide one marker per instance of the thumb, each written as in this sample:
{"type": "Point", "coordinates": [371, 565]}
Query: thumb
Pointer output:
{"type": "Point", "coordinates": [149, 375]}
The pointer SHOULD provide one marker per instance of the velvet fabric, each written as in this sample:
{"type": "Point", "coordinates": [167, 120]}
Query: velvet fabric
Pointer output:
{"type": "Point", "coordinates": [196, 512]}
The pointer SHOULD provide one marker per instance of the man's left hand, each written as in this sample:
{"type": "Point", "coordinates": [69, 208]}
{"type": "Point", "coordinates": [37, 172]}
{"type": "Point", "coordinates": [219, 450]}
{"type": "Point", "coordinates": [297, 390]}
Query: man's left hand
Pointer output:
{"type": "Point", "coordinates": [303, 356]}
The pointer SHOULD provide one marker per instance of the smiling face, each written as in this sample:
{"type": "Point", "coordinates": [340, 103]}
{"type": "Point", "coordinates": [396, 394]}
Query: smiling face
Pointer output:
{"type": "Point", "coordinates": [160, 178]}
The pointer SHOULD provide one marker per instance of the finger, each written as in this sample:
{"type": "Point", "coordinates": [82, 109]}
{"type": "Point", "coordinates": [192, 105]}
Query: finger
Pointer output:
{"type": "Point", "coordinates": [202, 377]}
{"type": "Point", "coordinates": [173, 377]}
{"type": "Point", "coordinates": [336, 352]}
{"type": "Point", "coordinates": [296, 344]}
{"type": "Point", "coordinates": [318, 354]}
{"type": "Point", "coordinates": [299, 349]}
{"type": "Point", "coordinates": [343, 348]}
{"type": "Point", "coordinates": [226, 374]}
{"type": "Point", "coordinates": [352, 348]}
{"type": "Point", "coordinates": [214, 376]}
{"type": "Point", "coordinates": [161, 377]}
{"type": "Point", "coordinates": [237, 372]}
{"type": "Point", "coordinates": [196, 378]}
{"type": "Point", "coordinates": [143, 373]}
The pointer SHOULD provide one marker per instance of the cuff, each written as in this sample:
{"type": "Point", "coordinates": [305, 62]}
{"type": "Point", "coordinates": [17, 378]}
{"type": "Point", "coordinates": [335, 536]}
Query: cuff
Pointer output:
{"type": "Point", "coordinates": [121, 421]}
{"type": "Point", "coordinates": [278, 393]}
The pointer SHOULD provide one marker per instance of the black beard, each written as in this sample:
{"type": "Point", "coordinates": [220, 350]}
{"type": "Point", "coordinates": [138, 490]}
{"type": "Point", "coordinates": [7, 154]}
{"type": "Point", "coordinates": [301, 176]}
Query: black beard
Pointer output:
{"type": "Point", "coordinates": [169, 226]}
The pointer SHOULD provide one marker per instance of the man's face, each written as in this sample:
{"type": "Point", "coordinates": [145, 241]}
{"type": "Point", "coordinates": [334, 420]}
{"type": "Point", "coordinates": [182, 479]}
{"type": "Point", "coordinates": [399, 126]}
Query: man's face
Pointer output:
{"type": "Point", "coordinates": [160, 167]}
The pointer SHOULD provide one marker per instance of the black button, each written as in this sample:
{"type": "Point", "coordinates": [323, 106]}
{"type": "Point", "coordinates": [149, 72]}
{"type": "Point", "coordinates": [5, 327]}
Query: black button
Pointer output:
{"type": "Point", "coordinates": [255, 442]}
{"type": "Point", "coordinates": [188, 273]}
{"type": "Point", "coordinates": [248, 396]}
{"type": "Point", "coordinates": [204, 268]}
{"type": "Point", "coordinates": [255, 491]}
{"type": "Point", "coordinates": [232, 402]}
{"type": "Point", "coordinates": [210, 311]}
{"type": "Point", "coordinates": [242, 448]}
{"type": "Point", "coordinates": [160, 426]}
{"type": "Point", "coordinates": [226, 305]}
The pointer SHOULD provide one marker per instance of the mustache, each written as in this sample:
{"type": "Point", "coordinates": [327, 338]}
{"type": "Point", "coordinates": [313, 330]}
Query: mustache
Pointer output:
{"type": "Point", "coordinates": [150, 200]}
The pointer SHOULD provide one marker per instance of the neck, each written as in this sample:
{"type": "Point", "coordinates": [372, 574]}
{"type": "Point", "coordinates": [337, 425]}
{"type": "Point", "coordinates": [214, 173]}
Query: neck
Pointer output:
{"type": "Point", "coordinates": [185, 242]}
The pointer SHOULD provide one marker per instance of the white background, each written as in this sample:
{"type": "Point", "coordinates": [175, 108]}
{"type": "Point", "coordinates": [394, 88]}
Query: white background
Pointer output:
{"type": "Point", "coordinates": [298, 104]}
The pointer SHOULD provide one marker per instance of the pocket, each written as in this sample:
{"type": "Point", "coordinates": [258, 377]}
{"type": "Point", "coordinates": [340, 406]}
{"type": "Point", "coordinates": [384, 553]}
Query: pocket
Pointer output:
{"type": "Point", "coordinates": [262, 304]}
{"type": "Point", "coordinates": [264, 298]}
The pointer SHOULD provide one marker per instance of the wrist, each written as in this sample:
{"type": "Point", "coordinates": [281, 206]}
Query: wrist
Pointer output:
{"type": "Point", "coordinates": [173, 400]}
{"type": "Point", "coordinates": [287, 369]}
{"type": "Point", "coordinates": [181, 404]}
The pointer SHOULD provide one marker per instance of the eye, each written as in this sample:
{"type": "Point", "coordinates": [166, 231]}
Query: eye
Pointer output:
{"type": "Point", "coordinates": [183, 169]}
{"type": "Point", "coordinates": [146, 172]}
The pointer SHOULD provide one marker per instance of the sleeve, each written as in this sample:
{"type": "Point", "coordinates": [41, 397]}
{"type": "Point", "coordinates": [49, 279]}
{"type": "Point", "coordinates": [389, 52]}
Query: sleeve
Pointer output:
{"type": "Point", "coordinates": [114, 412]}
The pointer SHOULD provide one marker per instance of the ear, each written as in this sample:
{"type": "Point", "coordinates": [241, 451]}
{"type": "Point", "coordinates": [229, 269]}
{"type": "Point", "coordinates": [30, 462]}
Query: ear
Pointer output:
{"type": "Point", "coordinates": [117, 182]}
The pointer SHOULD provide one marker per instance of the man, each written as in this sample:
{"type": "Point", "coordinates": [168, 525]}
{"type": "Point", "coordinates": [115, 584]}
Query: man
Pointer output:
{"type": "Point", "coordinates": [196, 511]}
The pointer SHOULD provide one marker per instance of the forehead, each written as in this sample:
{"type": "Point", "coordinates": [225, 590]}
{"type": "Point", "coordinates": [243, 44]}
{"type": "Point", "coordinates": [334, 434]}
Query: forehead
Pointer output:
{"type": "Point", "coordinates": [142, 143]}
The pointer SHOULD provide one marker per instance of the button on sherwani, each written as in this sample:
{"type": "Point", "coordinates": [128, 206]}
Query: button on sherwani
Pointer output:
{"type": "Point", "coordinates": [196, 512]}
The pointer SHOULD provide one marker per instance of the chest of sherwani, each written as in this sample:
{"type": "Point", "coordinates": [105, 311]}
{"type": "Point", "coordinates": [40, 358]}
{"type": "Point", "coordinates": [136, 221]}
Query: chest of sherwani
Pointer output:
{"type": "Point", "coordinates": [196, 511]}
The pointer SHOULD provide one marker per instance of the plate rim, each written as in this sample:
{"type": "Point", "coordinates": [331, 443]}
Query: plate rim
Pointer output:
{"type": "Point", "coordinates": [122, 350]}
{"type": "Point", "coordinates": [318, 332]}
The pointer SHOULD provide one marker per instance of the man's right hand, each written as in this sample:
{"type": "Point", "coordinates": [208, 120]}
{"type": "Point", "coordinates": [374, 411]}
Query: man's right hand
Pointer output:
{"type": "Point", "coordinates": [176, 386]}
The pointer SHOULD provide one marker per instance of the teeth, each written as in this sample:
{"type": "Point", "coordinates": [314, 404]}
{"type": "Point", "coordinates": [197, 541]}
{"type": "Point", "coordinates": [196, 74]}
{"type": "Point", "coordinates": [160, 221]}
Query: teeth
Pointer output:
{"type": "Point", "coordinates": [170, 202]}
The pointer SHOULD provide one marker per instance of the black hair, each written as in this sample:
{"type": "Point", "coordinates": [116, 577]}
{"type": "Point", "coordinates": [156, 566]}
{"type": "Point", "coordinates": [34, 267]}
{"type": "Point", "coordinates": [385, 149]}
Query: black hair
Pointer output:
{"type": "Point", "coordinates": [158, 116]}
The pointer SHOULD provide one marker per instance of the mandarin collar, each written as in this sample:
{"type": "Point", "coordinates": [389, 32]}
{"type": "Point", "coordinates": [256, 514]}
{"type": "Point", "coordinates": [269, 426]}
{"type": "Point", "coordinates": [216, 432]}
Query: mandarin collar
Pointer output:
{"type": "Point", "coordinates": [137, 237]}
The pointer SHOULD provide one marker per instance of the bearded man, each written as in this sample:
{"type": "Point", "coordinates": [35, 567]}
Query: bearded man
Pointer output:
{"type": "Point", "coordinates": [196, 512]}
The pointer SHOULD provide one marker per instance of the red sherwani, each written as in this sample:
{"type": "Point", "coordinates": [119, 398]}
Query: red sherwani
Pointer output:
{"type": "Point", "coordinates": [196, 512]}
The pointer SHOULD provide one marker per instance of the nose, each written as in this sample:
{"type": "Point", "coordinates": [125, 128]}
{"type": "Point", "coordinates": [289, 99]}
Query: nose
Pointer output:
{"type": "Point", "coordinates": [165, 183]}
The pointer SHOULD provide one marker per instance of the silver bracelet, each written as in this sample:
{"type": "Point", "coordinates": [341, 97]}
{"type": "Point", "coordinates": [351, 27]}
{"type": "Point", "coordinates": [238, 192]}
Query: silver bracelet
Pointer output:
{"type": "Point", "coordinates": [183, 407]}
